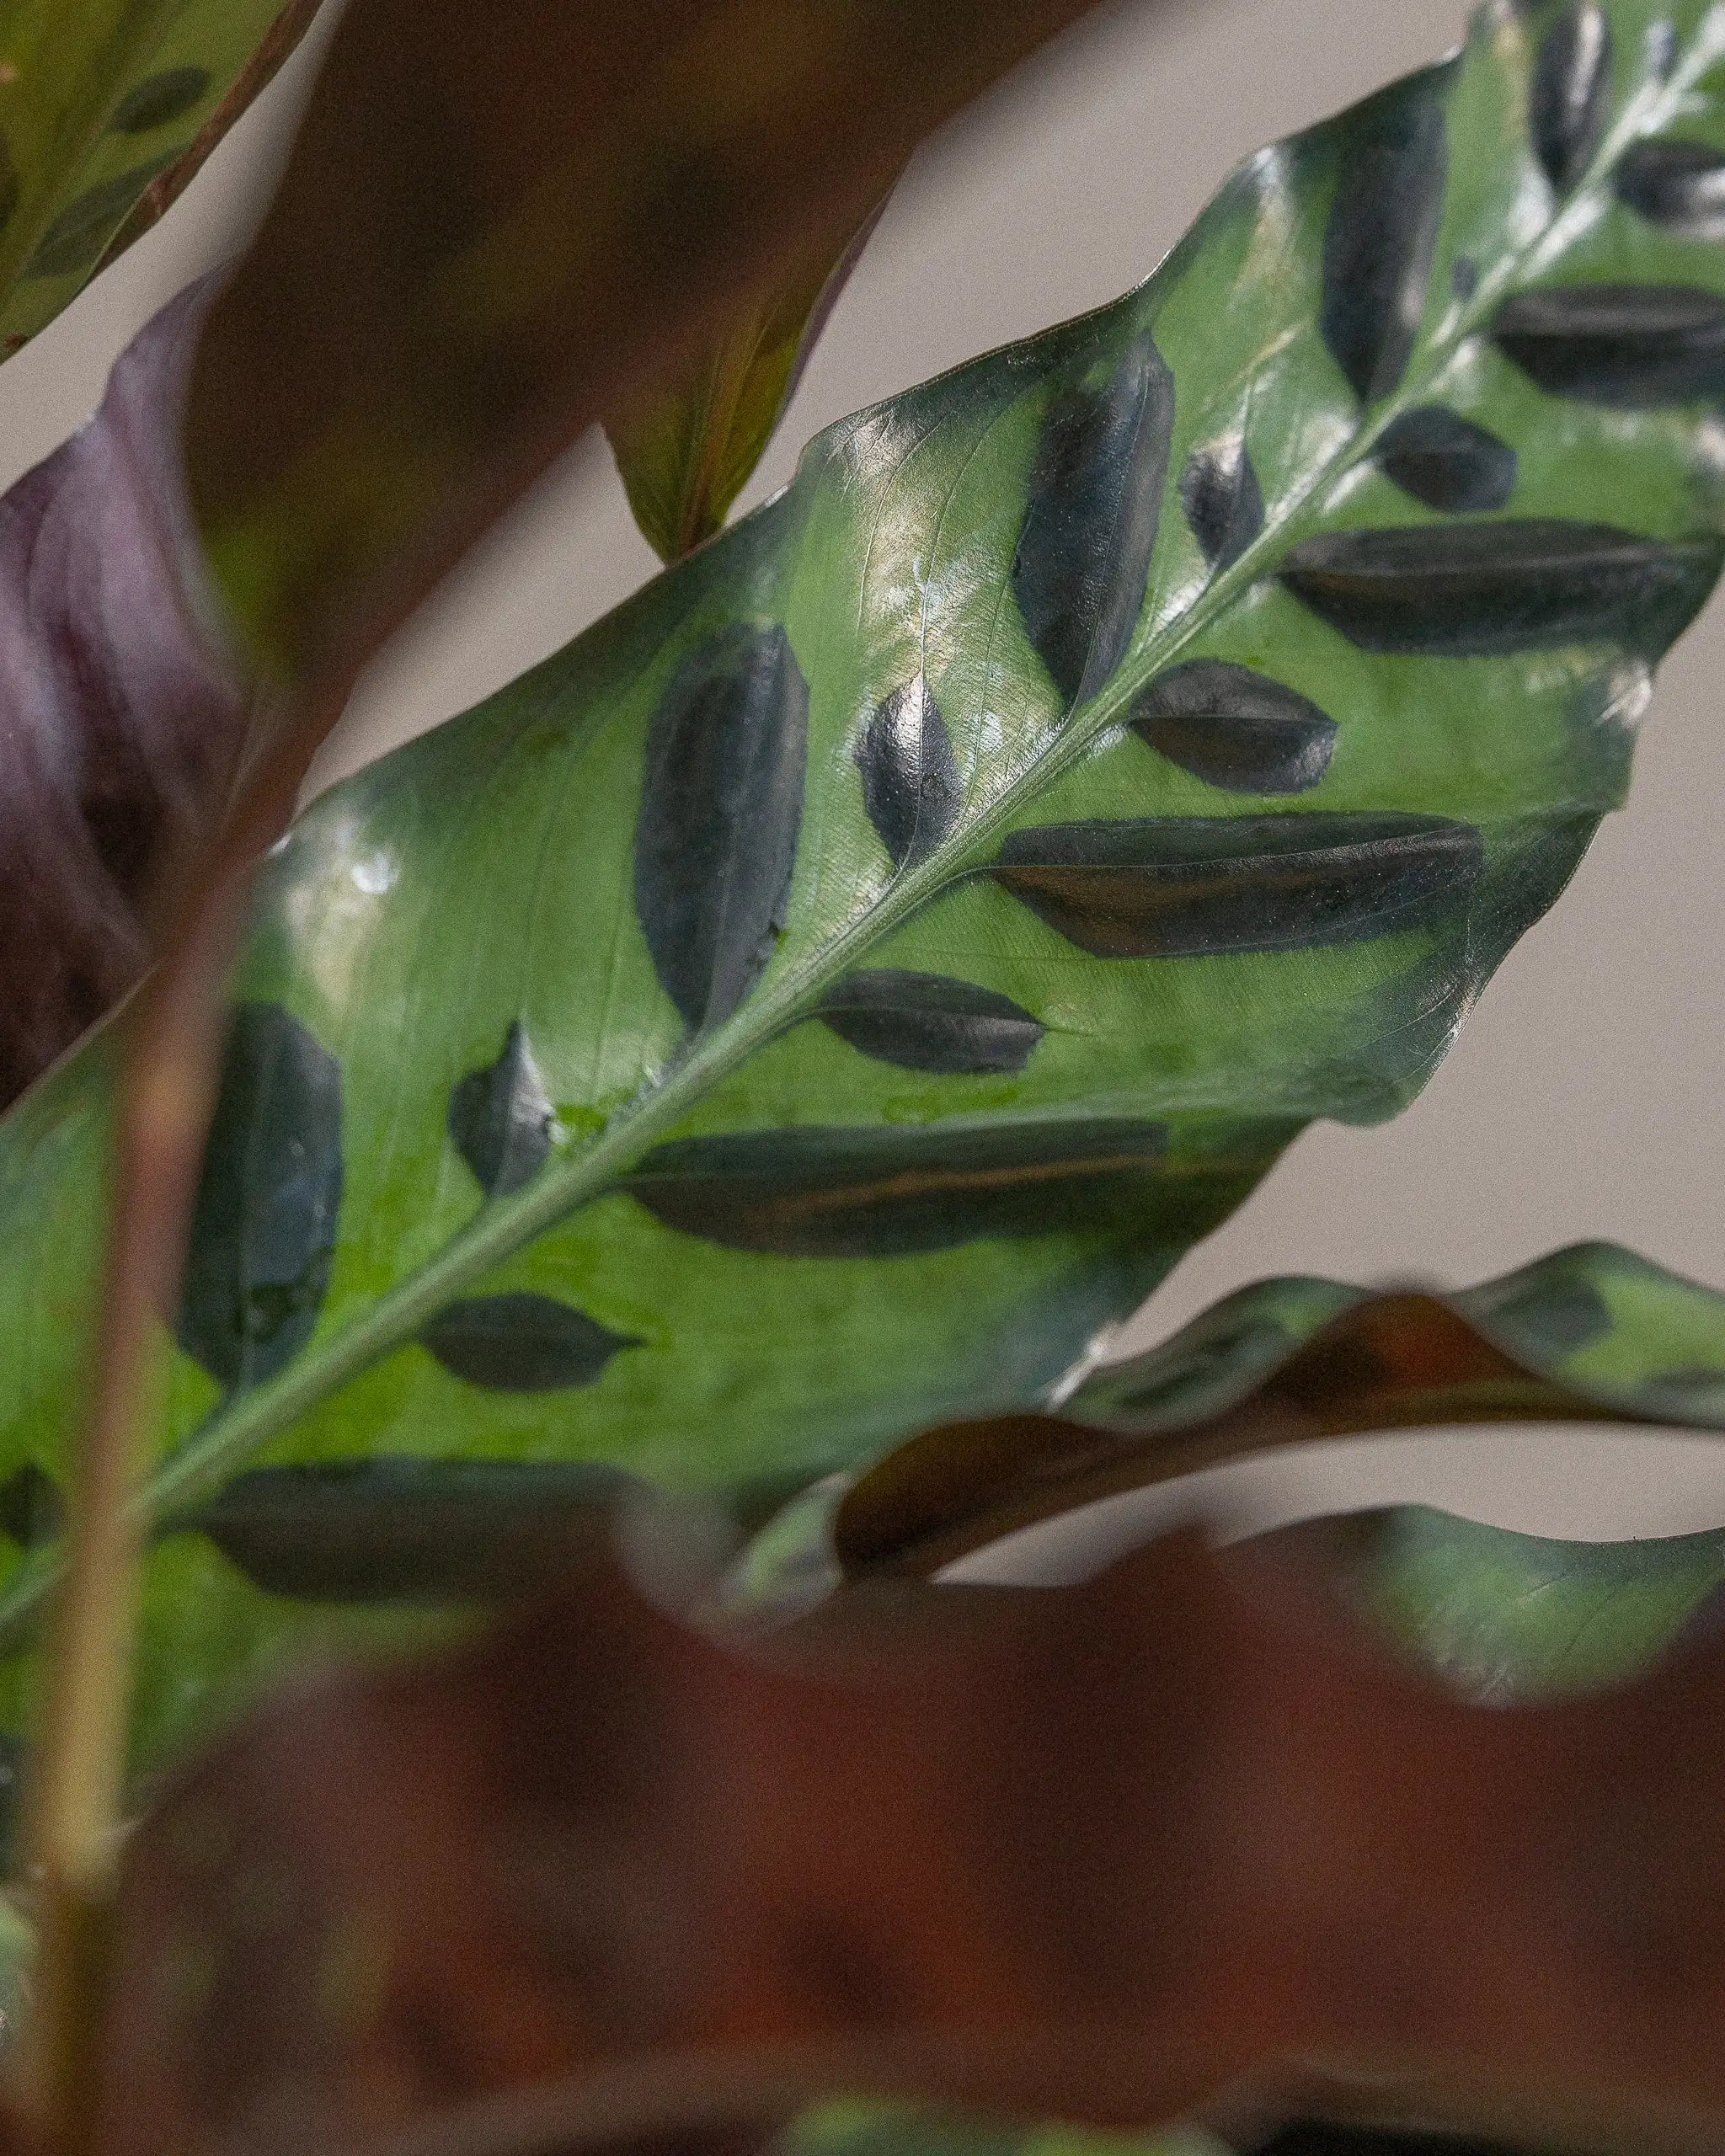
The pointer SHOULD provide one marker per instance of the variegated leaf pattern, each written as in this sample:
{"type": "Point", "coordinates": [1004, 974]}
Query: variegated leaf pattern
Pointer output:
{"type": "Point", "coordinates": [1609, 1329]}
{"type": "Point", "coordinates": [821, 998]}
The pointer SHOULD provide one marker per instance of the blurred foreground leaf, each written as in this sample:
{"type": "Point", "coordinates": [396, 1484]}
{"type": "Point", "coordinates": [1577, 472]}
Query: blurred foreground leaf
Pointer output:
{"type": "Point", "coordinates": [472, 257]}
{"type": "Point", "coordinates": [859, 2129]}
{"type": "Point", "coordinates": [1508, 1616]}
{"type": "Point", "coordinates": [466, 254]}
{"type": "Point", "coordinates": [1092, 1852]}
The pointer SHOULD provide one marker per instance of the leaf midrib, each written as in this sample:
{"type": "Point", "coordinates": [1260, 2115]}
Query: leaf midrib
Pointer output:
{"type": "Point", "coordinates": [505, 1226]}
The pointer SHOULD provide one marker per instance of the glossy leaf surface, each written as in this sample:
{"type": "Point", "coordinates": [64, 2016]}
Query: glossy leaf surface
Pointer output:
{"type": "Point", "coordinates": [824, 977]}
{"type": "Point", "coordinates": [107, 108]}
{"type": "Point", "coordinates": [1593, 1333]}
{"type": "Point", "coordinates": [685, 449]}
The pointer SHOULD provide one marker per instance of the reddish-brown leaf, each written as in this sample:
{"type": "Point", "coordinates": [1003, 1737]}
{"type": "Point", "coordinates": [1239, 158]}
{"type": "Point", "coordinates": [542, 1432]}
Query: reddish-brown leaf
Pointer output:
{"type": "Point", "coordinates": [498, 220]}
{"type": "Point", "coordinates": [686, 445]}
{"type": "Point", "coordinates": [1090, 1853]}
{"type": "Point", "coordinates": [1393, 1362]}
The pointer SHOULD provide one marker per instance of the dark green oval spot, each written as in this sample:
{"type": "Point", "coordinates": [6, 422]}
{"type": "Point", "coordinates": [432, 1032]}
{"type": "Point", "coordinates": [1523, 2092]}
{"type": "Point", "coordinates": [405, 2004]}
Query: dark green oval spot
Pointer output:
{"type": "Point", "coordinates": [1382, 232]}
{"type": "Point", "coordinates": [1634, 347]}
{"type": "Point", "coordinates": [159, 98]}
{"type": "Point", "coordinates": [32, 1510]}
{"type": "Point", "coordinates": [1546, 1309]}
{"type": "Point", "coordinates": [501, 1118]}
{"type": "Point", "coordinates": [75, 238]}
{"type": "Point", "coordinates": [1223, 501]}
{"type": "Point", "coordinates": [721, 809]}
{"type": "Point", "coordinates": [1679, 186]}
{"type": "Point", "coordinates": [522, 1342]}
{"type": "Point", "coordinates": [1175, 887]}
{"type": "Point", "coordinates": [893, 1193]}
{"type": "Point", "coordinates": [402, 1529]}
{"type": "Point", "coordinates": [1235, 728]}
{"type": "Point", "coordinates": [1081, 566]}
{"type": "Point", "coordinates": [1571, 94]}
{"type": "Point", "coordinates": [263, 1229]}
{"type": "Point", "coordinates": [929, 1022]}
{"type": "Point", "coordinates": [911, 785]}
{"type": "Point", "coordinates": [1446, 461]}
{"type": "Point", "coordinates": [1463, 590]}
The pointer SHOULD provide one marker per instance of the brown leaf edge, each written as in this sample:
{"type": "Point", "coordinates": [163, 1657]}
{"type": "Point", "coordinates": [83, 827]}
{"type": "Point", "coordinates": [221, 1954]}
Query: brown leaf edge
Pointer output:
{"type": "Point", "coordinates": [1094, 1853]}
{"type": "Point", "coordinates": [1400, 1361]}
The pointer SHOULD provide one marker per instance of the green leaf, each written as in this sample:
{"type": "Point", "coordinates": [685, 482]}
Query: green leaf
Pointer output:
{"type": "Point", "coordinates": [1593, 1329]}
{"type": "Point", "coordinates": [686, 446]}
{"type": "Point", "coordinates": [852, 2128]}
{"type": "Point", "coordinates": [1504, 1616]}
{"type": "Point", "coordinates": [107, 109]}
{"type": "Point", "coordinates": [1591, 1334]}
{"type": "Point", "coordinates": [820, 978]}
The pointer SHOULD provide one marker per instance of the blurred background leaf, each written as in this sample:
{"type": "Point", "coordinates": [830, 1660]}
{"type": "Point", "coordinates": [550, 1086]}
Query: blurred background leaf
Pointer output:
{"type": "Point", "coordinates": [471, 259]}
{"type": "Point", "coordinates": [1505, 1616]}
{"type": "Point", "coordinates": [107, 109]}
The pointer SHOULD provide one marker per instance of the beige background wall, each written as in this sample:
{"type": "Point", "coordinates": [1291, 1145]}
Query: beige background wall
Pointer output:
{"type": "Point", "coordinates": [1583, 1098]}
